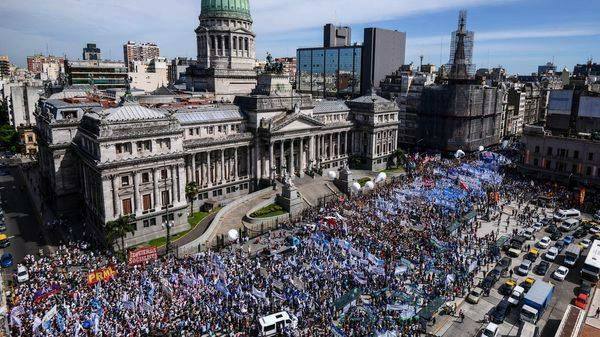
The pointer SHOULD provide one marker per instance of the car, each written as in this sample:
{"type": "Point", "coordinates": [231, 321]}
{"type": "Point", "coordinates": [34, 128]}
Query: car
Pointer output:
{"type": "Point", "coordinates": [542, 268]}
{"type": "Point", "coordinates": [560, 245]}
{"type": "Point", "coordinates": [580, 232]}
{"type": "Point", "coordinates": [561, 273]}
{"type": "Point", "coordinates": [551, 229]}
{"type": "Point", "coordinates": [544, 242]}
{"type": "Point", "coordinates": [22, 275]}
{"type": "Point", "coordinates": [529, 233]}
{"type": "Point", "coordinates": [581, 301]}
{"type": "Point", "coordinates": [505, 263]}
{"type": "Point", "coordinates": [556, 236]}
{"type": "Point", "coordinates": [500, 312]}
{"type": "Point", "coordinates": [585, 243]}
{"type": "Point", "coordinates": [532, 255]}
{"type": "Point", "coordinates": [4, 241]}
{"type": "Point", "coordinates": [507, 287]}
{"type": "Point", "coordinates": [491, 330]}
{"type": "Point", "coordinates": [516, 296]}
{"type": "Point", "coordinates": [6, 260]}
{"type": "Point", "coordinates": [585, 288]}
{"type": "Point", "coordinates": [2, 227]}
{"type": "Point", "coordinates": [524, 267]}
{"type": "Point", "coordinates": [568, 239]}
{"type": "Point", "coordinates": [537, 226]}
{"type": "Point", "coordinates": [475, 295]}
{"type": "Point", "coordinates": [594, 230]}
{"type": "Point", "coordinates": [527, 283]}
{"type": "Point", "coordinates": [551, 254]}
{"type": "Point", "coordinates": [488, 282]}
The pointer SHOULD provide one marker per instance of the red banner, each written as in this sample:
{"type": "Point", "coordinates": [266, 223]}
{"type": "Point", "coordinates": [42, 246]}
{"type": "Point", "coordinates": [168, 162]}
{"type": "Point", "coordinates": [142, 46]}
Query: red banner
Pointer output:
{"type": "Point", "coordinates": [104, 274]}
{"type": "Point", "coordinates": [142, 255]}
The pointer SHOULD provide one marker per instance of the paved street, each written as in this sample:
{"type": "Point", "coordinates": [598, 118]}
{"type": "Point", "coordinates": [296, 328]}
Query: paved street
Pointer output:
{"type": "Point", "coordinates": [564, 291]}
{"type": "Point", "coordinates": [22, 226]}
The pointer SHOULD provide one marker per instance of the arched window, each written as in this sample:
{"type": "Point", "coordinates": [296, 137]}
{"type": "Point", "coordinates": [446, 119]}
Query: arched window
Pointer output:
{"type": "Point", "coordinates": [213, 44]}
{"type": "Point", "coordinates": [246, 44]}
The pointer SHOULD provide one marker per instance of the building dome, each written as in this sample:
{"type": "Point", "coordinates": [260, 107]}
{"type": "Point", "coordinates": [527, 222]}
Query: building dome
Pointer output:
{"type": "Point", "coordinates": [236, 9]}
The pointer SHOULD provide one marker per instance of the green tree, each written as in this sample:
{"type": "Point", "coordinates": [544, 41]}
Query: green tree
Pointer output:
{"type": "Point", "coordinates": [118, 229]}
{"type": "Point", "coordinates": [191, 191]}
{"type": "Point", "coordinates": [9, 138]}
{"type": "Point", "coordinates": [400, 157]}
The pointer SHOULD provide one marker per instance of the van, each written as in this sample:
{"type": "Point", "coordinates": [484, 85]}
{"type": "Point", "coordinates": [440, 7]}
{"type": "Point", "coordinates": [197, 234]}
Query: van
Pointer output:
{"type": "Point", "coordinates": [528, 330]}
{"type": "Point", "coordinates": [275, 324]}
{"type": "Point", "coordinates": [564, 214]}
{"type": "Point", "coordinates": [569, 224]}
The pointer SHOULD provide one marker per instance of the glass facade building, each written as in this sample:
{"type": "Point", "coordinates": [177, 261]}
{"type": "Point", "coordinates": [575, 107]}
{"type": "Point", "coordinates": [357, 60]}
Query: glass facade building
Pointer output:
{"type": "Point", "coordinates": [329, 72]}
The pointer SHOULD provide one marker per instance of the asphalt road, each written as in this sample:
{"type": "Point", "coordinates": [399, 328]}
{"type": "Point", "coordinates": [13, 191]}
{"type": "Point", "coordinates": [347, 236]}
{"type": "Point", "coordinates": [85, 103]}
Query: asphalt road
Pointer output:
{"type": "Point", "coordinates": [25, 234]}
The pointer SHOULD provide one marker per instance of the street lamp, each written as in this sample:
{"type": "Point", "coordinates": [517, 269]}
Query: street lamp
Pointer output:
{"type": "Point", "coordinates": [168, 224]}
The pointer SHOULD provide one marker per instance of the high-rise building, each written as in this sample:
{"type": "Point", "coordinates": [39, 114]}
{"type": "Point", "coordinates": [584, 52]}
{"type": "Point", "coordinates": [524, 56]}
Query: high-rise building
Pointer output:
{"type": "Point", "coordinates": [548, 68]}
{"type": "Point", "coordinates": [46, 67]}
{"type": "Point", "coordinates": [226, 50]}
{"type": "Point", "coordinates": [149, 75]}
{"type": "Point", "coordinates": [336, 36]}
{"type": "Point", "coordinates": [4, 66]}
{"type": "Point", "coordinates": [460, 113]}
{"type": "Point", "coordinates": [383, 52]}
{"type": "Point", "coordinates": [91, 52]}
{"type": "Point", "coordinates": [143, 52]}
{"type": "Point", "coordinates": [469, 39]}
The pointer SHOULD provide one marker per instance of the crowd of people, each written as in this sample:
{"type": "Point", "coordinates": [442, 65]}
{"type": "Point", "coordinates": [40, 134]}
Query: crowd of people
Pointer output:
{"type": "Point", "coordinates": [377, 263]}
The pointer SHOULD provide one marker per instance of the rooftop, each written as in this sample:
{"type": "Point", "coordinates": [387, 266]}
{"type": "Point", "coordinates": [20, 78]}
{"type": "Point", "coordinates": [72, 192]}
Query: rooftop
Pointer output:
{"type": "Point", "coordinates": [208, 114]}
{"type": "Point", "coordinates": [330, 106]}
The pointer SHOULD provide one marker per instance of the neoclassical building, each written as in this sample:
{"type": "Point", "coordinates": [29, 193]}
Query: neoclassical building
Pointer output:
{"type": "Point", "coordinates": [226, 50]}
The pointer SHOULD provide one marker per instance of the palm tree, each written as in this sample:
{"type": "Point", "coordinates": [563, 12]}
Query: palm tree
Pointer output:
{"type": "Point", "coordinates": [400, 157]}
{"type": "Point", "coordinates": [191, 190]}
{"type": "Point", "coordinates": [118, 229]}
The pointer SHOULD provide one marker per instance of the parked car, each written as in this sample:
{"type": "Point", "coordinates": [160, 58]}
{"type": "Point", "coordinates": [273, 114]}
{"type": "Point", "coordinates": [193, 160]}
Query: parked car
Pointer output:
{"type": "Point", "coordinates": [585, 288]}
{"type": "Point", "coordinates": [6, 260]}
{"type": "Point", "coordinates": [579, 233]}
{"type": "Point", "coordinates": [552, 229]}
{"type": "Point", "coordinates": [581, 301]}
{"type": "Point", "coordinates": [2, 227]}
{"type": "Point", "coordinates": [556, 236]}
{"type": "Point", "coordinates": [491, 330]}
{"type": "Point", "coordinates": [529, 233]}
{"type": "Point", "coordinates": [505, 263]}
{"type": "Point", "coordinates": [22, 275]}
{"type": "Point", "coordinates": [488, 282]}
{"type": "Point", "coordinates": [507, 287]}
{"type": "Point", "coordinates": [568, 239]}
{"type": "Point", "coordinates": [527, 283]}
{"type": "Point", "coordinates": [551, 254]}
{"type": "Point", "coordinates": [517, 295]}
{"type": "Point", "coordinates": [544, 242]}
{"type": "Point", "coordinates": [585, 243]}
{"type": "Point", "coordinates": [532, 255]}
{"type": "Point", "coordinates": [537, 226]}
{"type": "Point", "coordinates": [524, 267]}
{"type": "Point", "coordinates": [500, 312]}
{"type": "Point", "coordinates": [594, 230]}
{"type": "Point", "coordinates": [542, 268]}
{"type": "Point", "coordinates": [560, 245]}
{"type": "Point", "coordinates": [475, 295]}
{"type": "Point", "coordinates": [561, 273]}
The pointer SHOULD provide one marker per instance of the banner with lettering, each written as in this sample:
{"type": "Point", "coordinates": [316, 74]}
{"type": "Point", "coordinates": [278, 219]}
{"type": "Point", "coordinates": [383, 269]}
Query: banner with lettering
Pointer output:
{"type": "Point", "coordinates": [104, 274]}
{"type": "Point", "coordinates": [142, 255]}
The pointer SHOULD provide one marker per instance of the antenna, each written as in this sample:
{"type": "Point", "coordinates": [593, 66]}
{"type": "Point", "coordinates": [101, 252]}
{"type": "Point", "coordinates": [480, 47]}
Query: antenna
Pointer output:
{"type": "Point", "coordinates": [441, 49]}
{"type": "Point", "coordinates": [421, 57]}
{"type": "Point", "coordinates": [47, 52]}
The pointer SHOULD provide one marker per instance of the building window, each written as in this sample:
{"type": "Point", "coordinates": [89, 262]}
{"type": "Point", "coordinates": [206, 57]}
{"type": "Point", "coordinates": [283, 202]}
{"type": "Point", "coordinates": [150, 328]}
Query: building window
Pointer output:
{"type": "Point", "coordinates": [165, 198]}
{"type": "Point", "coordinates": [232, 127]}
{"type": "Point", "coordinates": [191, 132]}
{"type": "Point", "coordinates": [147, 202]}
{"type": "Point", "coordinates": [591, 156]}
{"type": "Point", "coordinates": [549, 151]}
{"type": "Point", "coordinates": [127, 206]}
{"type": "Point", "coordinates": [146, 223]}
{"type": "Point", "coordinates": [171, 217]}
{"type": "Point", "coordinates": [537, 149]}
{"type": "Point", "coordinates": [163, 174]}
{"type": "Point", "coordinates": [145, 177]}
{"type": "Point", "coordinates": [124, 181]}
{"type": "Point", "coordinates": [153, 222]}
{"type": "Point", "coordinates": [145, 145]}
{"type": "Point", "coordinates": [576, 154]}
{"type": "Point", "coordinates": [535, 162]}
{"type": "Point", "coordinates": [588, 171]}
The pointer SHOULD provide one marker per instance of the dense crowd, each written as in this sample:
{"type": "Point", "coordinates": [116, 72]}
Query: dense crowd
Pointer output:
{"type": "Point", "coordinates": [375, 264]}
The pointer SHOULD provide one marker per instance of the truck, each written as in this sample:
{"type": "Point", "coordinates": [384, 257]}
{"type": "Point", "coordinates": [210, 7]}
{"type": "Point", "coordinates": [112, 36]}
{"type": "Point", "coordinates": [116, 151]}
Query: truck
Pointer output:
{"type": "Point", "coordinates": [572, 254]}
{"type": "Point", "coordinates": [536, 301]}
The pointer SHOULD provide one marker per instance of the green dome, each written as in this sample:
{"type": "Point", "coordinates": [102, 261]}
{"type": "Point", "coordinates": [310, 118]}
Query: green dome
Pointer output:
{"type": "Point", "coordinates": [236, 9]}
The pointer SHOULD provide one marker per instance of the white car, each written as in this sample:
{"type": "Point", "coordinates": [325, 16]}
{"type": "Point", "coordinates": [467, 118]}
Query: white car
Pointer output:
{"type": "Point", "coordinates": [524, 268]}
{"type": "Point", "coordinates": [594, 230]}
{"type": "Point", "coordinates": [22, 274]}
{"type": "Point", "coordinates": [561, 273]}
{"type": "Point", "coordinates": [537, 226]}
{"type": "Point", "coordinates": [585, 243]}
{"type": "Point", "coordinates": [551, 254]}
{"type": "Point", "coordinates": [491, 330]}
{"type": "Point", "coordinates": [516, 295]}
{"type": "Point", "coordinates": [528, 233]}
{"type": "Point", "coordinates": [544, 242]}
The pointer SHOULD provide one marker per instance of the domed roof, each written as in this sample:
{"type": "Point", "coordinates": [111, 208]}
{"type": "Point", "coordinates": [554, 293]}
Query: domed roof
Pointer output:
{"type": "Point", "coordinates": [236, 9]}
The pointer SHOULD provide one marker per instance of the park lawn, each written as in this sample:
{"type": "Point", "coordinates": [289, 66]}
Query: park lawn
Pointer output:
{"type": "Point", "coordinates": [268, 211]}
{"type": "Point", "coordinates": [193, 220]}
{"type": "Point", "coordinates": [363, 181]}
{"type": "Point", "coordinates": [398, 169]}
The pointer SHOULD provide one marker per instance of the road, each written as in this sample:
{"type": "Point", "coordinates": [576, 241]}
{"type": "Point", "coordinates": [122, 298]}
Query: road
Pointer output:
{"type": "Point", "coordinates": [25, 233]}
{"type": "Point", "coordinates": [564, 293]}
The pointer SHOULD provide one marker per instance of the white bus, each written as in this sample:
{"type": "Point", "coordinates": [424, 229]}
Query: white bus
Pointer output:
{"type": "Point", "coordinates": [591, 267]}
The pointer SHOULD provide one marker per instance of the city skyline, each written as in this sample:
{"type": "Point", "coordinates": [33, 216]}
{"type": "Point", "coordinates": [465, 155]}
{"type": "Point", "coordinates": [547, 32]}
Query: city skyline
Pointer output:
{"type": "Point", "coordinates": [519, 35]}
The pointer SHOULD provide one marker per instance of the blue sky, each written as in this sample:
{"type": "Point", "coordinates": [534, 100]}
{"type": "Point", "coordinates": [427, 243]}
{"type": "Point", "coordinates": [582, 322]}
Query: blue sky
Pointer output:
{"type": "Point", "coordinates": [518, 34]}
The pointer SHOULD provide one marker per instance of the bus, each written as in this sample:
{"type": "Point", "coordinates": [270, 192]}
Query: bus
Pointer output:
{"type": "Point", "coordinates": [591, 267]}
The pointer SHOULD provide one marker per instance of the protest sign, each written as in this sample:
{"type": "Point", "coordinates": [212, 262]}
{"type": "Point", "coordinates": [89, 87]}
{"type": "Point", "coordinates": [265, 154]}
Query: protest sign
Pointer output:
{"type": "Point", "coordinates": [104, 274]}
{"type": "Point", "coordinates": [142, 255]}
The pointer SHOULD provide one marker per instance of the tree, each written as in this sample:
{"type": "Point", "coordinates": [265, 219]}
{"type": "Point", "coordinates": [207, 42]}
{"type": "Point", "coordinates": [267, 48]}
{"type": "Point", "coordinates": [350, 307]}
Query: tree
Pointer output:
{"type": "Point", "coordinates": [9, 138]}
{"type": "Point", "coordinates": [191, 191]}
{"type": "Point", "coordinates": [118, 229]}
{"type": "Point", "coordinates": [399, 156]}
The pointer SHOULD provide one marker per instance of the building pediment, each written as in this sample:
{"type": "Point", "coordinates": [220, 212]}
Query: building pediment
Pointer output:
{"type": "Point", "coordinates": [296, 122]}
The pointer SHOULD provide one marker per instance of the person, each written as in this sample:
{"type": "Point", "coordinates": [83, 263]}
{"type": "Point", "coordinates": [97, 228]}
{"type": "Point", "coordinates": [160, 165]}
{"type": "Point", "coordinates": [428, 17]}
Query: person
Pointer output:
{"type": "Point", "coordinates": [462, 316]}
{"type": "Point", "coordinates": [597, 312]}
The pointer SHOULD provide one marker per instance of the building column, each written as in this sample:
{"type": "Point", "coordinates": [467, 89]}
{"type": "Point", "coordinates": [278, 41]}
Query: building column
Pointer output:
{"type": "Point", "coordinates": [271, 158]}
{"type": "Point", "coordinates": [235, 164]}
{"type": "Point", "coordinates": [173, 184]}
{"type": "Point", "coordinates": [179, 189]}
{"type": "Point", "coordinates": [222, 165]}
{"type": "Point", "coordinates": [301, 161]}
{"type": "Point", "coordinates": [155, 182]}
{"type": "Point", "coordinates": [257, 159]}
{"type": "Point", "coordinates": [115, 193]}
{"type": "Point", "coordinates": [281, 157]}
{"type": "Point", "coordinates": [339, 149]}
{"type": "Point", "coordinates": [311, 152]}
{"type": "Point", "coordinates": [188, 169]}
{"type": "Point", "coordinates": [195, 174]}
{"type": "Point", "coordinates": [292, 166]}
{"type": "Point", "coordinates": [208, 169]}
{"type": "Point", "coordinates": [346, 144]}
{"type": "Point", "coordinates": [248, 162]}
{"type": "Point", "coordinates": [136, 192]}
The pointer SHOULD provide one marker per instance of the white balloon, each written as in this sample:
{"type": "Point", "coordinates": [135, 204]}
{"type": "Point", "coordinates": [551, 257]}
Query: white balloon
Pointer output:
{"type": "Point", "coordinates": [355, 187]}
{"type": "Point", "coordinates": [481, 148]}
{"type": "Point", "coordinates": [332, 174]}
{"type": "Point", "coordinates": [233, 234]}
{"type": "Point", "coordinates": [505, 144]}
{"type": "Point", "coordinates": [459, 153]}
{"type": "Point", "coordinates": [381, 177]}
{"type": "Point", "coordinates": [369, 185]}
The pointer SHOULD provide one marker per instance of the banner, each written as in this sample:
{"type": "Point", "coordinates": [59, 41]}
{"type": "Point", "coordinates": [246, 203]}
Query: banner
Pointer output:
{"type": "Point", "coordinates": [142, 255]}
{"type": "Point", "coordinates": [104, 274]}
{"type": "Point", "coordinates": [42, 294]}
